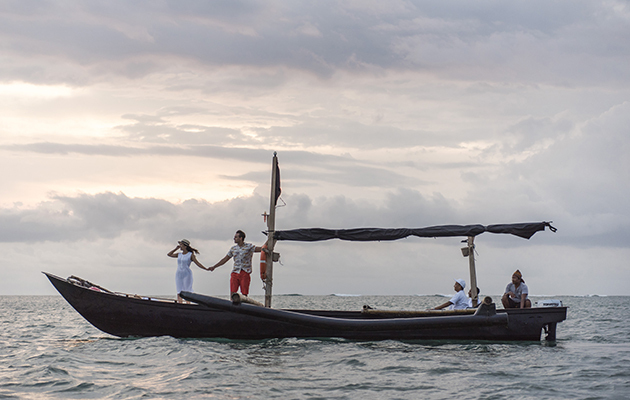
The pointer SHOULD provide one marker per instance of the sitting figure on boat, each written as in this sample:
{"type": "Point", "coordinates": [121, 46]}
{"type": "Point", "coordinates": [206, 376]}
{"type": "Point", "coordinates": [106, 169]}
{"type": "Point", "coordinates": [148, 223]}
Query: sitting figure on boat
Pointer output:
{"type": "Point", "coordinates": [183, 276]}
{"type": "Point", "coordinates": [459, 301]}
{"type": "Point", "coordinates": [470, 298]}
{"type": "Point", "coordinates": [242, 253]}
{"type": "Point", "coordinates": [516, 293]}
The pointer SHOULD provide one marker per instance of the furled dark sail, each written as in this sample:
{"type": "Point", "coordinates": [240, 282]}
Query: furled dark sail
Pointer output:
{"type": "Point", "coordinates": [523, 230]}
{"type": "Point", "coordinates": [278, 189]}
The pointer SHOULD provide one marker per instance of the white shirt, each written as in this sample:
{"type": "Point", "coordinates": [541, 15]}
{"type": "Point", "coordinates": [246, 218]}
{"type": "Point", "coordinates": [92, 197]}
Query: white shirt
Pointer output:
{"type": "Point", "coordinates": [460, 301]}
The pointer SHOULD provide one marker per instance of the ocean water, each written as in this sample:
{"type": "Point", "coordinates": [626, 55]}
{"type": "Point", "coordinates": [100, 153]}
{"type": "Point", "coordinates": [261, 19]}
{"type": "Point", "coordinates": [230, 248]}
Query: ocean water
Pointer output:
{"type": "Point", "coordinates": [48, 351]}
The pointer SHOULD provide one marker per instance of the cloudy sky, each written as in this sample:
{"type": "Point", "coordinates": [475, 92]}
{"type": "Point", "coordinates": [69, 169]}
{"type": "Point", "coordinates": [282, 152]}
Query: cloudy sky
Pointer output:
{"type": "Point", "coordinates": [126, 126]}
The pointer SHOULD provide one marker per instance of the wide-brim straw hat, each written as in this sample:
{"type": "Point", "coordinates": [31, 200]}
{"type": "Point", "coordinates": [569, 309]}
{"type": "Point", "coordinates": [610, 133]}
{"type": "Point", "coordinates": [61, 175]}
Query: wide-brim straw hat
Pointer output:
{"type": "Point", "coordinates": [184, 241]}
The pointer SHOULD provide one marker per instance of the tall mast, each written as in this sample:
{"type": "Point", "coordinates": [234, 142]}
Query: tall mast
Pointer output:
{"type": "Point", "coordinates": [473, 272]}
{"type": "Point", "coordinates": [271, 228]}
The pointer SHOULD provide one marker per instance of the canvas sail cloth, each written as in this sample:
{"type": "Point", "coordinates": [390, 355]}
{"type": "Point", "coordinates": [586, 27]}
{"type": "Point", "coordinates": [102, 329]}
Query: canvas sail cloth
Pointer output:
{"type": "Point", "coordinates": [278, 189]}
{"type": "Point", "coordinates": [523, 230]}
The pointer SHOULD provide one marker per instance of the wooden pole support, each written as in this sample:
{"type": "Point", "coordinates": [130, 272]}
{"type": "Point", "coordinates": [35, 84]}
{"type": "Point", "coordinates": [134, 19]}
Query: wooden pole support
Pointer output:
{"type": "Point", "coordinates": [238, 298]}
{"type": "Point", "coordinates": [271, 228]}
{"type": "Point", "coordinates": [473, 271]}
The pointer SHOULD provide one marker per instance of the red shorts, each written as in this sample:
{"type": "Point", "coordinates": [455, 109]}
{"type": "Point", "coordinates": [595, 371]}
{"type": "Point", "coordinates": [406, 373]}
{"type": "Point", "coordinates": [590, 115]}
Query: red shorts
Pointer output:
{"type": "Point", "coordinates": [241, 279]}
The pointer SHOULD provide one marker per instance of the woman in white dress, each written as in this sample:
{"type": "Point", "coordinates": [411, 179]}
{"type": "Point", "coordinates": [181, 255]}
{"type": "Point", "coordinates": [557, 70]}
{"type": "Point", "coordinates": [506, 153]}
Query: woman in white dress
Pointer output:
{"type": "Point", "coordinates": [183, 276]}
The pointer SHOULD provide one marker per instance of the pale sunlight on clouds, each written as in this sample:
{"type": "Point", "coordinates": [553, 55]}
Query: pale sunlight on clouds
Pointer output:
{"type": "Point", "coordinates": [20, 90]}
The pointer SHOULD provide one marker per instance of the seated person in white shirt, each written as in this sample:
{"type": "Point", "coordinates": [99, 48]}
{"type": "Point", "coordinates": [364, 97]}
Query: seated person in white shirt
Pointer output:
{"type": "Point", "coordinates": [459, 301]}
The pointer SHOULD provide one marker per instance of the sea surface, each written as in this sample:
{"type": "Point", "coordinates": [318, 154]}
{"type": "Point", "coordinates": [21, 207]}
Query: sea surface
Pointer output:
{"type": "Point", "coordinates": [48, 351]}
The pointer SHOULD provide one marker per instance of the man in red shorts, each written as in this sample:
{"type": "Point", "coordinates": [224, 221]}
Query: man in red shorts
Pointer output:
{"type": "Point", "coordinates": [242, 253]}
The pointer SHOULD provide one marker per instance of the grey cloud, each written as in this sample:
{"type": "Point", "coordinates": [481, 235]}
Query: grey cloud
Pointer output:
{"type": "Point", "coordinates": [336, 173]}
{"type": "Point", "coordinates": [152, 119]}
{"type": "Point", "coordinates": [307, 168]}
{"type": "Point", "coordinates": [125, 151]}
{"type": "Point", "coordinates": [593, 165]}
{"type": "Point", "coordinates": [355, 135]}
{"type": "Point", "coordinates": [85, 217]}
{"type": "Point", "coordinates": [329, 169]}
{"type": "Point", "coordinates": [532, 134]}
{"type": "Point", "coordinates": [180, 111]}
{"type": "Point", "coordinates": [154, 130]}
{"type": "Point", "coordinates": [242, 154]}
{"type": "Point", "coordinates": [580, 181]}
{"type": "Point", "coordinates": [233, 11]}
{"type": "Point", "coordinates": [401, 208]}
{"type": "Point", "coordinates": [60, 148]}
{"type": "Point", "coordinates": [305, 132]}
{"type": "Point", "coordinates": [109, 215]}
{"type": "Point", "coordinates": [548, 42]}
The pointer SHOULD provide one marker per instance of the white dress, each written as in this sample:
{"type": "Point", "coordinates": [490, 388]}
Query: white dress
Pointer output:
{"type": "Point", "coordinates": [183, 276]}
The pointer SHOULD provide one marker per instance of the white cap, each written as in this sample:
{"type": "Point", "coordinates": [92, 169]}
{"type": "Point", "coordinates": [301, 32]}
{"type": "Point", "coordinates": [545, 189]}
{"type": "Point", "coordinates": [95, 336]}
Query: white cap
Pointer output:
{"type": "Point", "coordinates": [461, 282]}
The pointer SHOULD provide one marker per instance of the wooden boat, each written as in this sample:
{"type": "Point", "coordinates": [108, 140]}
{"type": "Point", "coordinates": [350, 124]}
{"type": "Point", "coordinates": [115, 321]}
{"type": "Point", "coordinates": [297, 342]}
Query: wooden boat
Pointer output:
{"type": "Point", "coordinates": [210, 317]}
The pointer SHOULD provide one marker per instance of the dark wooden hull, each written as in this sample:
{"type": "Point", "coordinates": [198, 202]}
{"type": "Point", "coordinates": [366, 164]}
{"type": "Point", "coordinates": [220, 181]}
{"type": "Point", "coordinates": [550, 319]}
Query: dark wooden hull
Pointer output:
{"type": "Point", "coordinates": [211, 317]}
